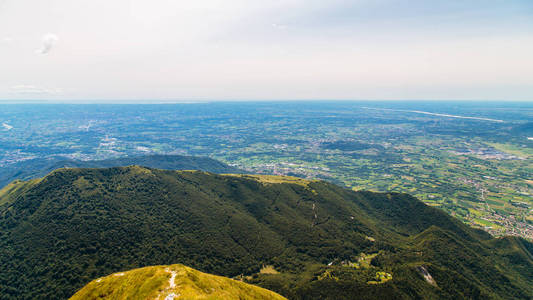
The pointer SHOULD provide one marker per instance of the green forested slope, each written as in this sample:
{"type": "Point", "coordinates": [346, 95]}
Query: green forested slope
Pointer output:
{"type": "Point", "coordinates": [324, 241]}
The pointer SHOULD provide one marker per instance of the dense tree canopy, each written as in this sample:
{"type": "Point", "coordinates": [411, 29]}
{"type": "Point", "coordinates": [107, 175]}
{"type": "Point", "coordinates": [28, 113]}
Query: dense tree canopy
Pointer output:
{"type": "Point", "coordinates": [74, 225]}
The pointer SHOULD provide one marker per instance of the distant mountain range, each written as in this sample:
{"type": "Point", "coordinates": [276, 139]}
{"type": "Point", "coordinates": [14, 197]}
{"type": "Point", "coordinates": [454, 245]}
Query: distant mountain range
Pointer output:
{"type": "Point", "coordinates": [39, 167]}
{"type": "Point", "coordinates": [302, 239]}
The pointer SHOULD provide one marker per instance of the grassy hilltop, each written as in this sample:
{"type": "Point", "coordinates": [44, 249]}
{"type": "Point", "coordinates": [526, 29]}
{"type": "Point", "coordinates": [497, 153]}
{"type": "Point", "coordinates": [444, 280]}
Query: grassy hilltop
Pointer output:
{"type": "Point", "coordinates": [170, 282]}
{"type": "Point", "coordinates": [302, 239]}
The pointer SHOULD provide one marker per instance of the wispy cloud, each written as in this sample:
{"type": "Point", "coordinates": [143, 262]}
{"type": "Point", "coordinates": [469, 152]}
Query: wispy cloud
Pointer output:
{"type": "Point", "coordinates": [6, 40]}
{"type": "Point", "coordinates": [48, 42]}
{"type": "Point", "coordinates": [279, 26]}
{"type": "Point", "coordinates": [34, 90]}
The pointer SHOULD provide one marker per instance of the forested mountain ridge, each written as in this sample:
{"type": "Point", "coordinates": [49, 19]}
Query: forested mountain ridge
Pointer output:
{"type": "Point", "coordinates": [39, 167]}
{"type": "Point", "coordinates": [317, 240]}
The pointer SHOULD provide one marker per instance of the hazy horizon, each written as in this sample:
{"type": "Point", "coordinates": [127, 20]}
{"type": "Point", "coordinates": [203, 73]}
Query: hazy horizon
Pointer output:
{"type": "Point", "coordinates": [208, 101]}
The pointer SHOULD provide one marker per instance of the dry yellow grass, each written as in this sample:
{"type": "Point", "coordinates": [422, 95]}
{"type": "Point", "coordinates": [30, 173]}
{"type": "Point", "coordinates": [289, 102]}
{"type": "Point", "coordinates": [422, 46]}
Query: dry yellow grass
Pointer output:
{"type": "Point", "coordinates": [12, 189]}
{"type": "Point", "coordinates": [268, 270]}
{"type": "Point", "coordinates": [170, 282]}
{"type": "Point", "coordinates": [273, 179]}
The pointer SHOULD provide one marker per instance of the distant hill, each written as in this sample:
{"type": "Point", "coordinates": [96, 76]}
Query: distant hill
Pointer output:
{"type": "Point", "coordinates": [302, 239]}
{"type": "Point", "coordinates": [170, 282]}
{"type": "Point", "coordinates": [35, 168]}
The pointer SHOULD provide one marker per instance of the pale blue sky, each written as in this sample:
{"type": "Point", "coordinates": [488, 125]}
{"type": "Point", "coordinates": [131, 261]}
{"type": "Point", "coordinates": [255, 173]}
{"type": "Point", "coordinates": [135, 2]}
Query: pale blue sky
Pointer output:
{"type": "Point", "coordinates": [253, 50]}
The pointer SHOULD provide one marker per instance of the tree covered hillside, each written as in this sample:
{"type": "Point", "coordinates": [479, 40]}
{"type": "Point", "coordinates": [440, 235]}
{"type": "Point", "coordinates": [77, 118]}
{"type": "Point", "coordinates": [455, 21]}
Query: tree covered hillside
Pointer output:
{"type": "Point", "coordinates": [302, 239]}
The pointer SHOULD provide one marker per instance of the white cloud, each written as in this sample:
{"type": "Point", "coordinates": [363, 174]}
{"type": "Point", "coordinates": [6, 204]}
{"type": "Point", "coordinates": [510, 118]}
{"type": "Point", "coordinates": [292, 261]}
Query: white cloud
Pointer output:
{"type": "Point", "coordinates": [279, 26]}
{"type": "Point", "coordinates": [24, 89]}
{"type": "Point", "coordinates": [48, 41]}
{"type": "Point", "coordinates": [6, 41]}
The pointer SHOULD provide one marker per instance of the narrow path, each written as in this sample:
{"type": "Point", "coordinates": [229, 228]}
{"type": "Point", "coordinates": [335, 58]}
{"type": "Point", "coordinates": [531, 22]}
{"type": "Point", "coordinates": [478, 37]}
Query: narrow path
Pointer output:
{"type": "Point", "coordinates": [172, 281]}
{"type": "Point", "coordinates": [171, 296]}
{"type": "Point", "coordinates": [171, 285]}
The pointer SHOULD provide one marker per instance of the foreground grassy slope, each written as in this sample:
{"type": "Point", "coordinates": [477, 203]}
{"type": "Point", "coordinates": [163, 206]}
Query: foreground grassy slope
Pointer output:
{"type": "Point", "coordinates": [40, 167]}
{"type": "Point", "coordinates": [174, 281]}
{"type": "Point", "coordinates": [324, 241]}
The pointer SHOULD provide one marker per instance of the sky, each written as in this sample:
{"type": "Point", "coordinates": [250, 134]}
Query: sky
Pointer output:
{"type": "Point", "coordinates": [177, 50]}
